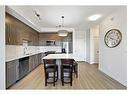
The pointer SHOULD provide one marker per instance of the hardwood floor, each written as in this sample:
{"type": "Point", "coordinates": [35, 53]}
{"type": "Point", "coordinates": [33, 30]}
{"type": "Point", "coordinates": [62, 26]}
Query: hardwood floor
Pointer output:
{"type": "Point", "coordinates": [89, 78]}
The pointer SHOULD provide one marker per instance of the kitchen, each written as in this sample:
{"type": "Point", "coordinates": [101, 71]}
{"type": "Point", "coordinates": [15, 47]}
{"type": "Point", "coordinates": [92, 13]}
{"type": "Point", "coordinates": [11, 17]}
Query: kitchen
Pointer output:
{"type": "Point", "coordinates": [25, 48]}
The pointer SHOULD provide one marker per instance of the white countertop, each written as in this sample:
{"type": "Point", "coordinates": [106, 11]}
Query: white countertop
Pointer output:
{"type": "Point", "coordinates": [60, 56]}
{"type": "Point", "coordinates": [14, 57]}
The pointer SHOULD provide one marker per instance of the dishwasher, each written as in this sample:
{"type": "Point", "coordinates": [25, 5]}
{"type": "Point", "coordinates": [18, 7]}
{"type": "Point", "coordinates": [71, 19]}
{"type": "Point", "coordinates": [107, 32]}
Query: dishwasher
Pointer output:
{"type": "Point", "coordinates": [23, 67]}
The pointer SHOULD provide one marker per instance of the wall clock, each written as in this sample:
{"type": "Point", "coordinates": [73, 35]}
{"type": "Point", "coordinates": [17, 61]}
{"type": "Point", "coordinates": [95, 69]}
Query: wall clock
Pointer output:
{"type": "Point", "coordinates": [113, 38]}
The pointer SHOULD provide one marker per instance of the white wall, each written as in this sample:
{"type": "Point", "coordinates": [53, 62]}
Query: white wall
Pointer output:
{"type": "Point", "coordinates": [79, 40]}
{"type": "Point", "coordinates": [2, 48]}
{"type": "Point", "coordinates": [113, 61]}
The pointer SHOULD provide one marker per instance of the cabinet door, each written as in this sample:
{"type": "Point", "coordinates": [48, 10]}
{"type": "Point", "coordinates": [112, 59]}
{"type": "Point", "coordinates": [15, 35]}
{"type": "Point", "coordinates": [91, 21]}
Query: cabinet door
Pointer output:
{"type": "Point", "coordinates": [26, 34]}
{"type": "Point", "coordinates": [37, 39]}
{"type": "Point", "coordinates": [11, 72]}
{"type": "Point", "coordinates": [19, 37]}
{"type": "Point", "coordinates": [35, 61]}
{"type": "Point", "coordinates": [11, 34]}
{"type": "Point", "coordinates": [30, 38]}
{"type": "Point", "coordinates": [34, 38]}
{"type": "Point", "coordinates": [7, 33]}
{"type": "Point", "coordinates": [32, 60]}
{"type": "Point", "coordinates": [40, 58]}
{"type": "Point", "coordinates": [30, 63]}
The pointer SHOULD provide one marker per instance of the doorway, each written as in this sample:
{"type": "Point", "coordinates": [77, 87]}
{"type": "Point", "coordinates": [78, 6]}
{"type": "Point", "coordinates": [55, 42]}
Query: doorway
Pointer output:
{"type": "Point", "coordinates": [92, 45]}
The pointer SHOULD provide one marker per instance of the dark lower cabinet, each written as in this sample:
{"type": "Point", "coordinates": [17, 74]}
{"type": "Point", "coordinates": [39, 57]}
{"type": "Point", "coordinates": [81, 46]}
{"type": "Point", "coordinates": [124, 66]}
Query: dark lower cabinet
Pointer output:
{"type": "Point", "coordinates": [31, 63]}
{"type": "Point", "coordinates": [12, 72]}
{"type": "Point", "coordinates": [34, 61]}
{"type": "Point", "coordinates": [40, 58]}
{"type": "Point", "coordinates": [17, 69]}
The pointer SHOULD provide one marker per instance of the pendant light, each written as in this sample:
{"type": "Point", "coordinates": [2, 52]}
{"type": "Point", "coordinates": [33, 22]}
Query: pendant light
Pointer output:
{"type": "Point", "coordinates": [62, 31]}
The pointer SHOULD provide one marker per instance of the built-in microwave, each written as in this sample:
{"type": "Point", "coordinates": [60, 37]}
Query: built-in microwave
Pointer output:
{"type": "Point", "coordinates": [50, 42]}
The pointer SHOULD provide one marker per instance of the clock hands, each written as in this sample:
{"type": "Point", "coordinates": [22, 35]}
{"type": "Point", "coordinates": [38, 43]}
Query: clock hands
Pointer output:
{"type": "Point", "coordinates": [112, 38]}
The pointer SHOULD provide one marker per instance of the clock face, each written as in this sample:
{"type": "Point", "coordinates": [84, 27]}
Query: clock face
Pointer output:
{"type": "Point", "coordinates": [113, 38]}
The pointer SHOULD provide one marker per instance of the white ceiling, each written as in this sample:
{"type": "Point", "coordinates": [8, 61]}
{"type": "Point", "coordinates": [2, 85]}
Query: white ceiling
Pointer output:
{"type": "Point", "coordinates": [75, 16]}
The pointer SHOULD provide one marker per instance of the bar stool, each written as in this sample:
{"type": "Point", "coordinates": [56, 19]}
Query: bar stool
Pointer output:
{"type": "Point", "coordinates": [50, 68]}
{"type": "Point", "coordinates": [66, 69]}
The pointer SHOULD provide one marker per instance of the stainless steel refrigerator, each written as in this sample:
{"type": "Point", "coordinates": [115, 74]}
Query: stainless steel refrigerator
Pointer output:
{"type": "Point", "coordinates": [67, 47]}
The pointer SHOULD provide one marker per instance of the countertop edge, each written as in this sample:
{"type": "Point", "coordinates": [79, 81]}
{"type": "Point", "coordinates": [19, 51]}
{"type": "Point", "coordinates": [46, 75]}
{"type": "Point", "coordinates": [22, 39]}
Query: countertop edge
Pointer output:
{"type": "Point", "coordinates": [16, 58]}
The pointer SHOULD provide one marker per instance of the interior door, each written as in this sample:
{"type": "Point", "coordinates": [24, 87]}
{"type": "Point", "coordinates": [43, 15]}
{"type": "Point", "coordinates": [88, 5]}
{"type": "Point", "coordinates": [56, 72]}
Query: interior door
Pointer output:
{"type": "Point", "coordinates": [79, 50]}
{"type": "Point", "coordinates": [95, 51]}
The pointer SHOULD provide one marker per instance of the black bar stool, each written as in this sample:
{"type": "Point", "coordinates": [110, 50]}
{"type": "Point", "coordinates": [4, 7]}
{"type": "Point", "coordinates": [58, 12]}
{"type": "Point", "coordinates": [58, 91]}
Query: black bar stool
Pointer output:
{"type": "Point", "coordinates": [66, 71]}
{"type": "Point", "coordinates": [51, 71]}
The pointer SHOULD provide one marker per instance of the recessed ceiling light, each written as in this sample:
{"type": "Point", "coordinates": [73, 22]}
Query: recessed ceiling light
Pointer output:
{"type": "Point", "coordinates": [94, 17]}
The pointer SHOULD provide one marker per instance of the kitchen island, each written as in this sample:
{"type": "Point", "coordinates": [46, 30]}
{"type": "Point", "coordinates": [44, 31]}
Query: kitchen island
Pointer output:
{"type": "Point", "coordinates": [58, 58]}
